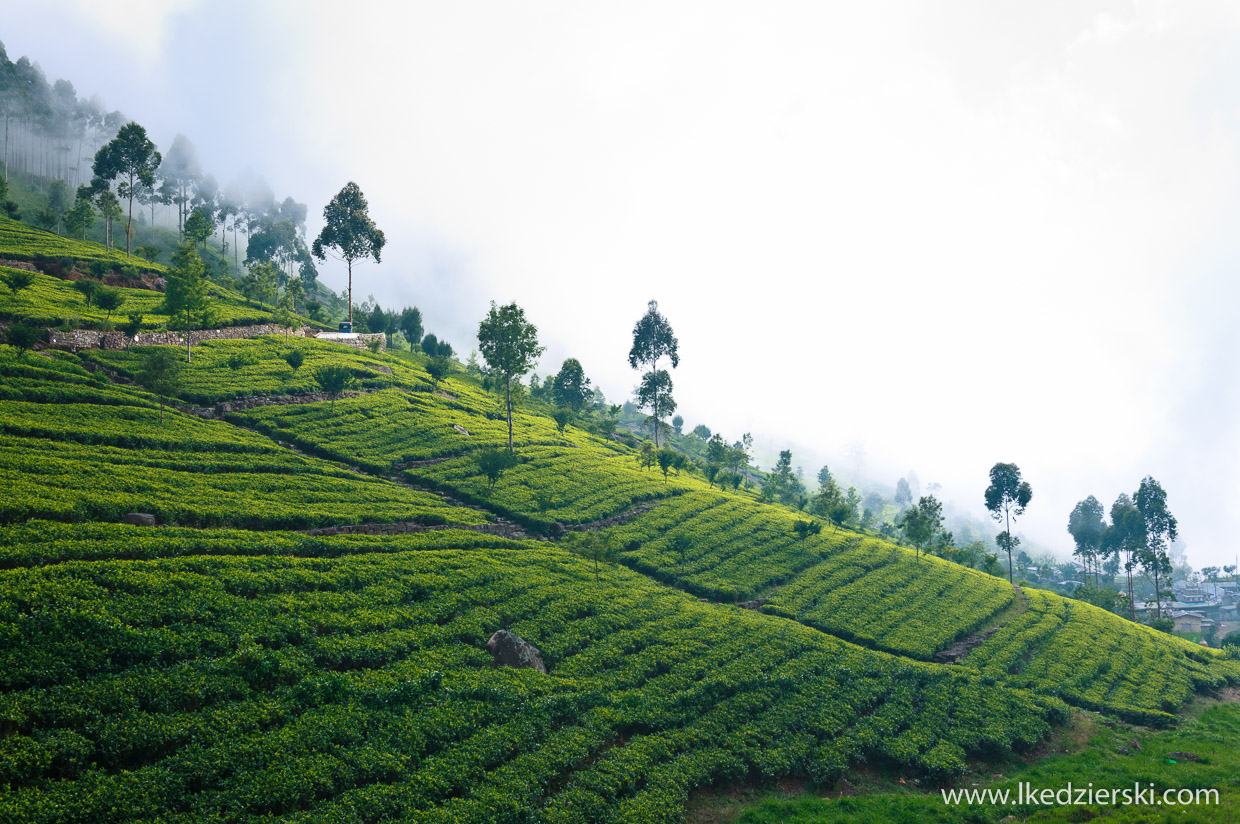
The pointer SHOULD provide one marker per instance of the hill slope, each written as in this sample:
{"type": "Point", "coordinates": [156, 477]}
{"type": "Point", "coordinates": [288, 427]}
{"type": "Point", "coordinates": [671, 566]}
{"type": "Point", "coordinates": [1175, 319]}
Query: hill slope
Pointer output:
{"type": "Point", "coordinates": [220, 667]}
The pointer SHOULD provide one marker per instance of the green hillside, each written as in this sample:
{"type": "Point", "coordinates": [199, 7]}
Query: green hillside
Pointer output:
{"type": "Point", "coordinates": [51, 300]}
{"type": "Point", "coordinates": [21, 241]}
{"type": "Point", "coordinates": [222, 667]}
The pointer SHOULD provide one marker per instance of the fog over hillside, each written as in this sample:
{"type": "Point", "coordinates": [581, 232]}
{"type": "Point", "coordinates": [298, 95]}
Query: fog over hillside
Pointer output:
{"type": "Point", "coordinates": [953, 234]}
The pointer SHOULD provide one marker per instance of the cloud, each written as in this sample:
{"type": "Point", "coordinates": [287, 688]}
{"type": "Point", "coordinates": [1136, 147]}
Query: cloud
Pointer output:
{"type": "Point", "coordinates": [960, 233]}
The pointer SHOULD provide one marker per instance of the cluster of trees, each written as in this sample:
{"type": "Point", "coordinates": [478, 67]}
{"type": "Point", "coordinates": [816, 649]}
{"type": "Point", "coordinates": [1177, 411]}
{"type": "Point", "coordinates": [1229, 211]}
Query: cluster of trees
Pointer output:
{"type": "Point", "coordinates": [94, 166]}
{"type": "Point", "coordinates": [370, 317]}
{"type": "Point", "coordinates": [49, 132]}
{"type": "Point", "coordinates": [1137, 538]}
{"type": "Point", "coordinates": [725, 464]}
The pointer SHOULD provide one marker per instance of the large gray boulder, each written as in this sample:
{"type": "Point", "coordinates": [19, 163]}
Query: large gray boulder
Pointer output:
{"type": "Point", "coordinates": [508, 650]}
{"type": "Point", "coordinates": [140, 518]}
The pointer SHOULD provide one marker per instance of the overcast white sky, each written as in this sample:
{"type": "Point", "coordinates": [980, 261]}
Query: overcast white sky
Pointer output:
{"type": "Point", "coordinates": [957, 233]}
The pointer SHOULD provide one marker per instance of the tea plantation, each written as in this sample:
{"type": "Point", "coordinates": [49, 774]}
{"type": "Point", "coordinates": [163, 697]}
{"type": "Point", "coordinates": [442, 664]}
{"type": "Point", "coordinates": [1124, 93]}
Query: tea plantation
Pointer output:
{"type": "Point", "coordinates": [222, 667]}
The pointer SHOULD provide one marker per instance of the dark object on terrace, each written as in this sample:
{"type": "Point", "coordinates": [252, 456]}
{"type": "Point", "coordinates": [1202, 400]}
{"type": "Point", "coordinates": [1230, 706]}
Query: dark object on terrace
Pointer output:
{"type": "Point", "coordinates": [508, 650]}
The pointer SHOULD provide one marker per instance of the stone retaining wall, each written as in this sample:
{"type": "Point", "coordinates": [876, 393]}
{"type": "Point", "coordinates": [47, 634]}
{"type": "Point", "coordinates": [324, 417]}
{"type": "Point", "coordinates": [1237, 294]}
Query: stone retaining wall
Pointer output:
{"type": "Point", "coordinates": [98, 339]}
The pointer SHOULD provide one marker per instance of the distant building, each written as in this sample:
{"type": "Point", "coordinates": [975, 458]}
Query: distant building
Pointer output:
{"type": "Point", "coordinates": [1191, 622]}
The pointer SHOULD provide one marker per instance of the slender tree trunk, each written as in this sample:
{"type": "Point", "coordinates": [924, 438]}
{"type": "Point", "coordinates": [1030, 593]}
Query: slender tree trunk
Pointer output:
{"type": "Point", "coordinates": [1132, 605]}
{"type": "Point", "coordinates": [508, 388]}
{"type": "Point", "coordinates": [349, 261]}
{"type": "Point", "coordinates": [129, 224]}
{"type": "Point", "coordinates": [1007, 520]}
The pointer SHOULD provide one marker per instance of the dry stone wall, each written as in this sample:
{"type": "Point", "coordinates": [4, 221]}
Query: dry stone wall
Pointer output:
{"type": "Point", "coordinates": [97, 339]}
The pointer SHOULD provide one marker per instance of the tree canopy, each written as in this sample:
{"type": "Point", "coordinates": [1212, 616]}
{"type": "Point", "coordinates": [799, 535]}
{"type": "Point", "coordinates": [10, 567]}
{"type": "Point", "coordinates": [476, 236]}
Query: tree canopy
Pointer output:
{"type": "Point", "coordinates": [509, 345]}
{"type": "Point", "coordinates": [1160, 529]}
{"type": "Point", "coordinates": [570, 388]}
{"type": "Point", "coordinates": [132, 159]}
{"type": "Point", "coordinates": [185, 297]}
{"type": "Point", "coordinates": [653, 339]}
{"type": "Point", "coordinates": [1006, 497]}
{"type": "Point", "coordinates": [1086, 527]}
{"type": "Point", "coordinates": [349, 231]}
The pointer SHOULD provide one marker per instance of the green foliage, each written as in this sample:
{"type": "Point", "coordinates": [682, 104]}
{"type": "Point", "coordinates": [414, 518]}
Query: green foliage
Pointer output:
{"type": "Point", "coordinates": [1098, 661]}
{"type": "Point", "coordinates": [294, 358]}
{"type": "Point", "coordinates": [1104, 758]}
{"type": "Point", "coordinates": [411, 325]}
{"type": "Point", "coordinates": [349, 232]}
{"type": "Point", "coordinates": [23, 337]}
{"type": "Point", "coordinates": [199, 226]}
{"type": "Point", "coordinates": [80, 218]}
{"type": "Point", "coordinates": [653, 339]}
{"type": "Point", "coordinates": [109, 300]}
{"type": "Point", "coordinates": [806, 529]}
{"type": "Point", "coordinates": [261, 282]}
{"type": "Point", "coordinates": [73, 447]}
{"type": "Point", "coordinates": [186, 299]}
{"type": "Point", "coordinates": [50, 301]}
{"type": "Point", "coordinates": [492, 463]}
{"type": "Point", "coordinates": [579, 483]}
{"type": "Point", "coordinates": [17, 279]}
{"type": "Point", "coordinates": [570, 388]}
{"type": "Point", "coordinates": [131, 160]}
{"type": "Point", "coordinates": [922, 522]}
{"type": "Point", "coordinates": [116, 693]}
{"type": "Point", "coordinates": [1006, 497]}
{"type": "Point", "coordinates": [87, 288]}
{"type": "Point", "coordinates": [162, 374]}
{"type": "Point", "coordinates": [666, 459]}
{"type": "Point", "coordinates": [654, 393]}
{"type": "Point", "coordinates": [1162, 625]}
{"type": "Point", "coordinates": [509, 345]}
{"type": "Point", "coordinates": [240, 360]}
{"type": "Point", "coordinates": [333, 380]}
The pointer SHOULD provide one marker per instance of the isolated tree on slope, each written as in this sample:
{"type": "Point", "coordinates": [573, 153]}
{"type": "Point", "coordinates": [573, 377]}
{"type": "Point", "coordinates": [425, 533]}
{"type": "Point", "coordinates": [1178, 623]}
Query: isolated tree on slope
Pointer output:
{"type": "Point", "coordinates": [1161, 529]}
{"type": "Point", "coordinates": [570, 388]}
{"type": "Point", "coordinates": [509, 345]}
{"type": "Point", "coordinates": [349, 231]}
{"type": "Point", "coordinates": [652, 340]}
{"type": "Point", "coordinates": [132, 158]}
{"type": "Point", "coordinates": [185, 297]}
{"type": "Point", "coordinates": [655, 393]}
{"type": "Point", "coordinates": [1006, 497]}
{"type": "Point", "coordinates": [161, 374]}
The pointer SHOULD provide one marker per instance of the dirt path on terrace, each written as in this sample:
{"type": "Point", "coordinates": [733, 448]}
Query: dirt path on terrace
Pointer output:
{"type": "Point", "coordinates": [958, 651]}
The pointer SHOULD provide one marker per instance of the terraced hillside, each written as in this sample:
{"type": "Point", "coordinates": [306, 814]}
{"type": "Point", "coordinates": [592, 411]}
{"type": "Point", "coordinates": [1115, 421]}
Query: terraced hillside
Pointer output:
{"type": "Point", "coordinates": [727, 546]}
{"type": "Point", "coordinates": [51, 301]}
{"type": "Point", "coordinates": [74, 446]}
{"type": "Point", "coordinates": [357, 686]}
{"type": "Point", "coordinates": [21, 241]}
{"type": "Point", "coordinates": [220, 667]}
